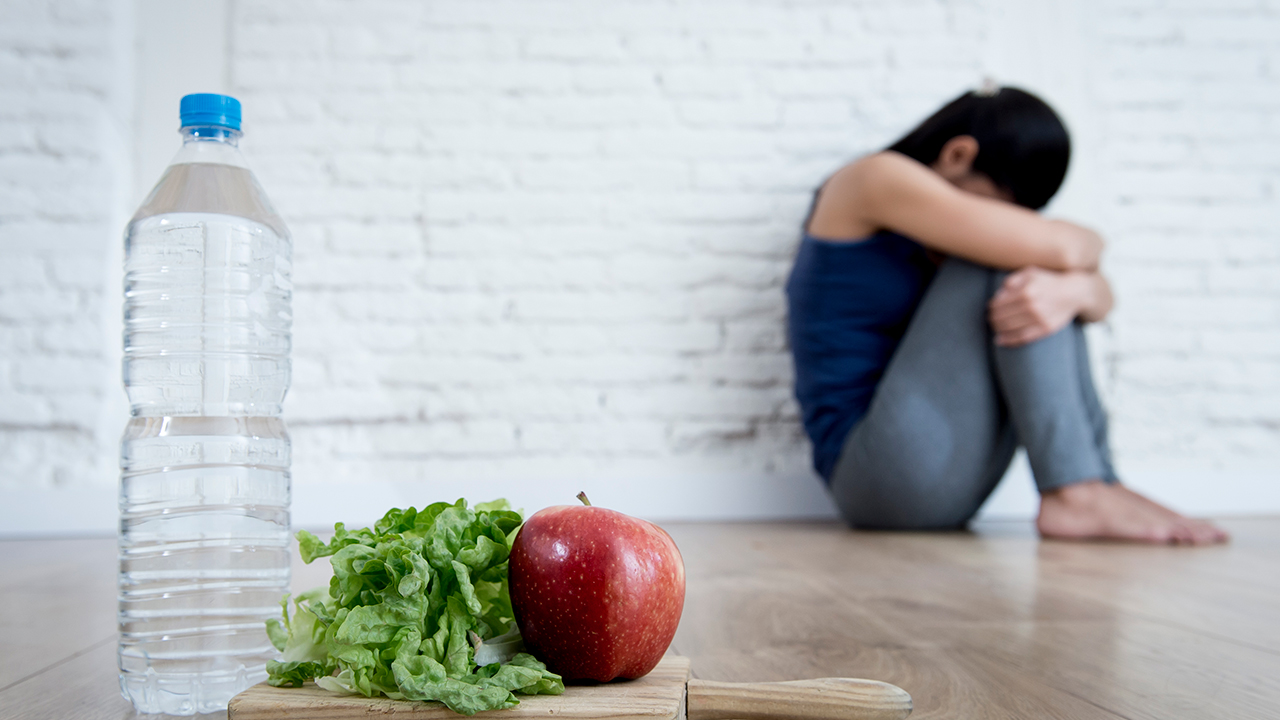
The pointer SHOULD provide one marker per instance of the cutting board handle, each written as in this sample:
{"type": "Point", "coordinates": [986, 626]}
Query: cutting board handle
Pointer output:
{"type": "Point", "coordinates": [823, 699]}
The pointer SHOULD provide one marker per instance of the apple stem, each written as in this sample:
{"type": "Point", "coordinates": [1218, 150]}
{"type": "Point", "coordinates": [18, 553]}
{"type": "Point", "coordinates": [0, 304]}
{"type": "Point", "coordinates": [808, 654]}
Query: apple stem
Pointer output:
{"type": "Point", "coordinates": [583, 497]}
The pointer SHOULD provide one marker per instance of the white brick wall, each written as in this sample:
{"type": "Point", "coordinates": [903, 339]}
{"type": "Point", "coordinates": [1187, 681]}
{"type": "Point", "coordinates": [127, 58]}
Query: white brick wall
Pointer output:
{"type": "Point", "coordinates": [61, 164]}
{"type": "Point", "coordinates": [548, 240]}
{"type": "Point", "coordinates": [541, 244]}
{"type": "Point", "coordinates": [1191, 156]}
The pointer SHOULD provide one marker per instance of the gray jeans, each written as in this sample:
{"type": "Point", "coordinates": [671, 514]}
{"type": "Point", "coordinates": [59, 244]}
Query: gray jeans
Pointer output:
{"type": "Point", "coordinates": [952, 408]}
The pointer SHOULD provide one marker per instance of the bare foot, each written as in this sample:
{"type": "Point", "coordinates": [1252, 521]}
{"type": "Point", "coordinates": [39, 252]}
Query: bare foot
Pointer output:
{"type": "Point", "coordinates": [1094, 510]}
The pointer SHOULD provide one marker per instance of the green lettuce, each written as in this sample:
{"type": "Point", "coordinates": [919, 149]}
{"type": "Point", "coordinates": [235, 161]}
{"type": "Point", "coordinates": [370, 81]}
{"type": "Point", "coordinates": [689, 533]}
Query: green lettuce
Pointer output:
{"type": "Point", "coordinates": [413, 603]}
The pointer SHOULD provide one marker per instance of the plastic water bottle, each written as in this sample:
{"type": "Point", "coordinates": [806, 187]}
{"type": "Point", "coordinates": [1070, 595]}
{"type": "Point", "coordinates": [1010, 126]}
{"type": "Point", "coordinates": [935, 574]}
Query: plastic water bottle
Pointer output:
{"type": "Point", "coordinates": [204, 485]}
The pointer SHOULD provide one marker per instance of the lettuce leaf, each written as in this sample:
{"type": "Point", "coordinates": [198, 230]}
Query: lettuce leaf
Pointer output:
{"type": "Point", "coordinates": [411, 602]}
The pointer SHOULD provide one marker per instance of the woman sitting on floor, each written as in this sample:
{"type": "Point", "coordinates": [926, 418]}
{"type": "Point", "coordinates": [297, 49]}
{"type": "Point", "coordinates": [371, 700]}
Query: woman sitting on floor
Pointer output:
{"type": "Point", "coordinates": [936, 322]}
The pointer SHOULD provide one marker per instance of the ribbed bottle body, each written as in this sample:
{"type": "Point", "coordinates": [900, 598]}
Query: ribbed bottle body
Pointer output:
{"type": "Point", "coordinates": [207, 315]}
{"type": "Point", "coordinates": [204, 486]}
{"type": "Point", "coordinates": [204, 557]}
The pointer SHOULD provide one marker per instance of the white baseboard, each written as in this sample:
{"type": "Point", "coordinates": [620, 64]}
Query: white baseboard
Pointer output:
{"type": "Point", "coordinates": [671, 498]}
{"type": "Point", "coordinates": [93, 510]}
{"type": "Point", "coordinates": [45, 511]}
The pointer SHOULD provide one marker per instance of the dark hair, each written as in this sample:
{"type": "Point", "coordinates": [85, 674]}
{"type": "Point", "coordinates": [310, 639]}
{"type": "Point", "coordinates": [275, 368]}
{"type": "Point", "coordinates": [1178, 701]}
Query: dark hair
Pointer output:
{"type": "Point", "coordinates": [1022, 144]}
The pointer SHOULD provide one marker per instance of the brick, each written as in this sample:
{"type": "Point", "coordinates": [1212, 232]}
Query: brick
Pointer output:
{"type": "Point", "coordinates": [365, 168]}
{"type": "Point", "coordinates": [1248, 280]}
{"type": "Point", "coordinates": [657, 338]}
{"type": "Point", "coordinates": [596, 437]}
{"type": "Point", "coordinates": [23, 409]}
{"type": "Point", "coordinates": [493, 77]}
{"type": "Point", "coordinates": [1247, 248]}
{"type": "Point", "coordinates": [615, 80]}
{"type": "Point", "coordinates": [755, 336]}
{"type": "Point", "coordinates": [354, 272]}
{"type": "Point", "coordinates": [329, 336]}
{"type": "Point", "coordinates": [350, 405]}
{"type": "Point", "coordinates": [704, 82]}
{"type": "Point", "coordinates": [279, 41]}
{"type": "Point", "coordinates": [83, 270]}
{"type": "Point", "coordinates": [685, 402]}
{"type": "Point", "coordinates": [522, 402]}
{"type": "Point", "coordinates": [83, 337]}
{"type": "Point", "coordinates": [1210, 311]}
{"type": "Point", "coordinates": [387, 42]}
{"type": "Point", "coordinates": [1168, 248]}
{"type": "Point", "coordinates": [759, 48]}
{"type": "Point", "coordinates": [561, 341]}
{"type": "Point", "coordinates": [574, 46]}
{"type": "Point", "coordinates": [745, 369]}
{"type": "Point", "coordinates": [1232, 31]}
{"type": "Point", "coordinates": [1188, 185]}
{"type": "Point", "coordinates": [732, 303]}
{"type": "Point", "coordinates": [1246, 407]}
{"type": "Point", "coordinates": [17, 271]}
{"type": "Point", "coordinates": [443, 439]}
{"type": "Point", "coordinates": [666, 47]}
{"type": "Point", "coordinates": [607, 307]}
{"type": "Point", "coordinates": [21, 305]}
{"type": "Point", "coordinates": [1138, 339]}
{"type": "Point", "coordinates": [415, 306]}
{"type": "Point", "coordinates": [81, 410]}
{"type": "Point", "coordinates": [56, 375]}
{"type": "Point", "coordinates": [370, 239]}
{"type": "Point", "coordinates": [589, 111]}
{"type": "Point", "coordinates": [712, 435]}
{"type": "Point", "coordinates": [427, 371]}
{"type": "Point", "coordinates": [754, 112]}
{"type": "Point", "coordinates": [1146, 278]}
{"type": "Point", "coordinates": [307, 373]}
{"type": "Point", "coordinates": [1241, 343]}
{"type": "Point", "coordinates": [545, 174]}
{"type": "Point", "coordinates": [457, 43]}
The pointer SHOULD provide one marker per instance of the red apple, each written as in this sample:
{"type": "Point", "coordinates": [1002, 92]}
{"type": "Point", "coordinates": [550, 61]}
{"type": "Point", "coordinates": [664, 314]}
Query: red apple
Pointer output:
{"type": "Point", "coordinates": [597, 594]}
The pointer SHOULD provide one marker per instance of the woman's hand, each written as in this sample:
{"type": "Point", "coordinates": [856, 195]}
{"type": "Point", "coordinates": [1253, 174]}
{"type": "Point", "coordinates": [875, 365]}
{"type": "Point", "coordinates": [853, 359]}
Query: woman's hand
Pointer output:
{"type": "Point", "coordinates": [1034, 303]}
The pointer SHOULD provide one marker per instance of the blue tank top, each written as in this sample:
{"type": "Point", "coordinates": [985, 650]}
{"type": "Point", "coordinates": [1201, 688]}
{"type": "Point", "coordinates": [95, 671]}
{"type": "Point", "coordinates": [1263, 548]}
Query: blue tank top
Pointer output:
{"type": "Point", "coordinates": [849, 304]}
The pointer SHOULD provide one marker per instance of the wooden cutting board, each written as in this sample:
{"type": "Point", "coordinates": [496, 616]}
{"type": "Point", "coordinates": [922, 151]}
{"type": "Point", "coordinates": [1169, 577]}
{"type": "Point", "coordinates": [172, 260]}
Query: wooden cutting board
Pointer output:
{"type": "Point", "coordinates": [658, 695]}
{"type": "Point", "coordinates": [666, 693]}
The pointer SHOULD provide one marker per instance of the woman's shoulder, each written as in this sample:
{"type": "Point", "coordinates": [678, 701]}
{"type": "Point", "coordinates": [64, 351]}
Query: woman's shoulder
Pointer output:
{"type": "Point", "coordinates": [842, 207]}
{"type": "Point", "coordinates": [881, 168]}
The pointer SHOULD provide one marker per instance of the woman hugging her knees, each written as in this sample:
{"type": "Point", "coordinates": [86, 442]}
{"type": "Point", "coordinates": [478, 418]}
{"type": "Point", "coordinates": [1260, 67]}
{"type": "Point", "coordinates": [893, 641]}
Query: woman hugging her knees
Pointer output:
{"type": "Point", "coordinates": [936, 322]}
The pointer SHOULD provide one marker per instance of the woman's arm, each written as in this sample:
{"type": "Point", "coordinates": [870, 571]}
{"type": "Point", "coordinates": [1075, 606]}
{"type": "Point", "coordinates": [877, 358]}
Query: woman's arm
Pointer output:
{"type": "Point", "coordinates": [1034, 303]}
{"type": "Point", "coordinates": [891, 191]}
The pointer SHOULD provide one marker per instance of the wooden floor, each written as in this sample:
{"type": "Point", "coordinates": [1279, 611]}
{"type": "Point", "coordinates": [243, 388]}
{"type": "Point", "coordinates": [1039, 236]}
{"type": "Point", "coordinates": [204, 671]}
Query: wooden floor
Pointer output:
{"type": "Point", "coordinates": [989, 624]}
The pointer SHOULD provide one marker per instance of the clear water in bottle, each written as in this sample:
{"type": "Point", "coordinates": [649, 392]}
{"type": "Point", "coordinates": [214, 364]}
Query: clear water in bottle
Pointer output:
{"type": "Point", "coordinates": [204, 486]}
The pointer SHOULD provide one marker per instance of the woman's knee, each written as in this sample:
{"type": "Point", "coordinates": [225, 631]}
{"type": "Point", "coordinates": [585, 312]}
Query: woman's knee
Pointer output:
{"type": "Point", "coordinates": [899, 511]}
{"type": "Point", "coordinates": [905, 497]}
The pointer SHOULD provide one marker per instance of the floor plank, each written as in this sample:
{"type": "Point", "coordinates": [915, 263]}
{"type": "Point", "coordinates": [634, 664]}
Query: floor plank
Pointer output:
{"type": "Point", "coordinates": [57, 598]}
{"type": "Point", "coordinates": [84, 687]}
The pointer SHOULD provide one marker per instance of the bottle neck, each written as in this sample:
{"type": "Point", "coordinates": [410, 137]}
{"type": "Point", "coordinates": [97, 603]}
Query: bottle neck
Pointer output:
{"type": "Point", "coordinates": [214, 144]}
{"type": "Point", "coordinates": [210, 133]}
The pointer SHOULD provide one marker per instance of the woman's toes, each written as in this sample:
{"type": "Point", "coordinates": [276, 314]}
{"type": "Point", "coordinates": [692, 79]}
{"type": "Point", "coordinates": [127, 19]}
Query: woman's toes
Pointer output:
{"type": "Point", "coordinates": [1187, 535]}
{"type": "Point", "coordinates": [1206, 533]}
{"type": "Point", "coordinates": [1196, 532]}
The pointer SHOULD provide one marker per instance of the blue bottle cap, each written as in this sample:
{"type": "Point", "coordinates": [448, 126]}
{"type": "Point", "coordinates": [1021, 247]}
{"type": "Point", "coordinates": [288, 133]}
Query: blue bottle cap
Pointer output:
{"type": "Point", "coordinates": [210, 109]}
